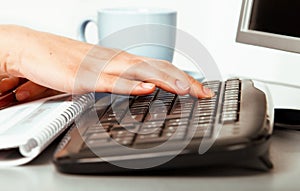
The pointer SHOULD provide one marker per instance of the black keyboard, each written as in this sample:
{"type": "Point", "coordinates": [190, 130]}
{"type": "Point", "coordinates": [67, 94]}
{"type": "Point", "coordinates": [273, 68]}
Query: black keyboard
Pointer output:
{"type": "Point", "coordinates": [124, 133]}
{"type": "Point", "coordinates": [154, 118]}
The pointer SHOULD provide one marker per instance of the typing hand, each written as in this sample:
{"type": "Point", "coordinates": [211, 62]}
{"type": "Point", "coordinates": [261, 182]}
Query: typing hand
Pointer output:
{"type": "Point", "coordinates": [71, 66]}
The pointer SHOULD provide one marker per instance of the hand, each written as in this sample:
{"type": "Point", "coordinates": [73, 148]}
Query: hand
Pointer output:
{"type": "Point", "coordinates": [71, 66]}
{"type": "Point", "coordinates": [24, 90]}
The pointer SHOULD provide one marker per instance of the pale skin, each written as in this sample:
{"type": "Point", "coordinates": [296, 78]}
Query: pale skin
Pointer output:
{"type": "Point", "coordinates": [54, 64]}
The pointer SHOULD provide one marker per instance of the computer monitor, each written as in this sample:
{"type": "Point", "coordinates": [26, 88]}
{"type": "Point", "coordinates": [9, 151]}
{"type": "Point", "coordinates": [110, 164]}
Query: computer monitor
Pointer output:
{"type": "Point", "coordinates": [273, 24]}
{"type": "Point", "coordinates": [270, 23]}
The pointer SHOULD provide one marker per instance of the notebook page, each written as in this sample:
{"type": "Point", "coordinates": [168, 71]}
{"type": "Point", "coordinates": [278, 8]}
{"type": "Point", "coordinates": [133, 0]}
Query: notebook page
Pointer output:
{"type": "Point", "coordinates": [12, 115]}
{"type": "Point", "coordinates": [21, 121]}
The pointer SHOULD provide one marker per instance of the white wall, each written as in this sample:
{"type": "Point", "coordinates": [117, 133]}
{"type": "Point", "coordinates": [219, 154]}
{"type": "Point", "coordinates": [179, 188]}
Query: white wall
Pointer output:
{"type": "Point", "coordinates": [212, 22]}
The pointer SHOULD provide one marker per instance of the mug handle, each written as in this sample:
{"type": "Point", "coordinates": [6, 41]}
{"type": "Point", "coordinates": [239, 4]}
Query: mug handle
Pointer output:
{"type": "Point", "coordinates": [82, 29]}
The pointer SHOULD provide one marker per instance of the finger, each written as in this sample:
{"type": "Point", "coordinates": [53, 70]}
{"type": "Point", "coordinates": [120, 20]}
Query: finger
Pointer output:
{"type": "Point", "coordinates": [29, 90]}
{"type": "Point", "coordinates": [149, 72]}
{"type": "Point", "coordinates": [118, 85]}
{"type": "Point", "coordinates": [162, 73]}
{"type": "Point", "coordinates": [198, 90]}
{"type": "Point", "coordinates": [8, 83]}
{"type": "Point", "coordinates": [142, 69]}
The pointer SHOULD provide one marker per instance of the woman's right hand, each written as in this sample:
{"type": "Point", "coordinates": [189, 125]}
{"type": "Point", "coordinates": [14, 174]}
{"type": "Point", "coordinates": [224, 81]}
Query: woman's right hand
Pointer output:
{"type": "Point", "coordinates": [53, 62]}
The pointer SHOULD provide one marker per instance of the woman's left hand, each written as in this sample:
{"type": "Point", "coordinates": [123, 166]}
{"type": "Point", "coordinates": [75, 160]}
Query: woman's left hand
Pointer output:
{"type": "Point", "coordinates": [24, 90]}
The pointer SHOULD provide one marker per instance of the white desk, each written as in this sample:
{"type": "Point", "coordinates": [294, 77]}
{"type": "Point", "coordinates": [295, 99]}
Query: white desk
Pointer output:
{"type": "Point", "coordinates": [285, 154]}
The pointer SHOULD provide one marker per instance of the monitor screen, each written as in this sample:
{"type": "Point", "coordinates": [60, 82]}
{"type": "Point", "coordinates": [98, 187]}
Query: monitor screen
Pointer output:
{"type": "Point", "coordinates": [271, 23]}
{"type": "Point", "coordinates": [276, 16]}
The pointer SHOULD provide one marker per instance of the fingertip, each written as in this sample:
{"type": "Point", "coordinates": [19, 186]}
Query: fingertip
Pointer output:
{"type": "Point", "coordinates": [22, 95]}
{"type": "Point", "coordinates": [29, 91]}
{"type": "Point", "coordinates": [147, 86]}
{"type": "Point", "coordinates": [199, 91]}
{"type": "Point", "coordinates": [208, 92]}
{"type": "Point", "coordinates": [144, 88]}
{"type": "Point", "coordinates": [202, 93]}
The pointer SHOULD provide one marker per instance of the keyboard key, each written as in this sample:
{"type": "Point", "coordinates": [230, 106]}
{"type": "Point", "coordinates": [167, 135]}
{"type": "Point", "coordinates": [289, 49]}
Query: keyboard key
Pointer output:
{"type": "Point", "coordinates": [132, 118]}
{"type": "Point", "coordinates": [124, 140]}
{"type": "Point", "coordinates": [98, 136]}
{"type": "Point", "coordinates": [150, 138]}
{"type": "Point", "coordinates": [156, 116]}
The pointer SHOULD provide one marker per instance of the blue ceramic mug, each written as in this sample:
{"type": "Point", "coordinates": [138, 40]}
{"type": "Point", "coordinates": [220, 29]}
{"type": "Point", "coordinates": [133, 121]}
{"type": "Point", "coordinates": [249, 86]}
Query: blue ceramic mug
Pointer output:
{"type": "Point", "coordinates": [149, 32]}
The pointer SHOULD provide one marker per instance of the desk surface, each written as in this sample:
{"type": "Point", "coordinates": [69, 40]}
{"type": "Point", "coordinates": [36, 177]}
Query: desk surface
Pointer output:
{"type": "Point", "coordinates": [285, 154]}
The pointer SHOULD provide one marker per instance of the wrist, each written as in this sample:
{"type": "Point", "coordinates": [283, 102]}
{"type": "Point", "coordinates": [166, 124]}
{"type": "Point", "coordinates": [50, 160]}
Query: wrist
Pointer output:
{"type": "Point", "coordinates": [12, 42]}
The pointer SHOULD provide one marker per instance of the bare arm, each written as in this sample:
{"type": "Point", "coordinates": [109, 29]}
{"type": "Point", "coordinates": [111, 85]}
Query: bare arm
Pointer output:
{"type": "Point", "coordinates": [53, 62]}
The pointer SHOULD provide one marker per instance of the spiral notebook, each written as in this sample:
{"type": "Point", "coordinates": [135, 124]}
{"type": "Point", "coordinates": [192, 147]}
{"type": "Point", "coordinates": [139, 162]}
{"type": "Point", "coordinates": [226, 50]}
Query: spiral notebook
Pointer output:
{"type": "Point", "coordinates": [27, 129]}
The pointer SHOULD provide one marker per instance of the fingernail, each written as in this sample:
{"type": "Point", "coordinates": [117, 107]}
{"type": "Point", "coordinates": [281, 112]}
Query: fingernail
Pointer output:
{"type": "Point", "coordinates": [208, 92]}
{"type": "Point", "coordinates": [182, 85]}
{"type": "Point", "coordinates": [147, 86]}
{"type": "Point", "coordinates": [22, 95]}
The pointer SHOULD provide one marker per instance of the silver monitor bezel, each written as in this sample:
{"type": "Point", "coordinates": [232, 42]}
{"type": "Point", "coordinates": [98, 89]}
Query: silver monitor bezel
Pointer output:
{"type": "Point", "coordinates": [264, 39]}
